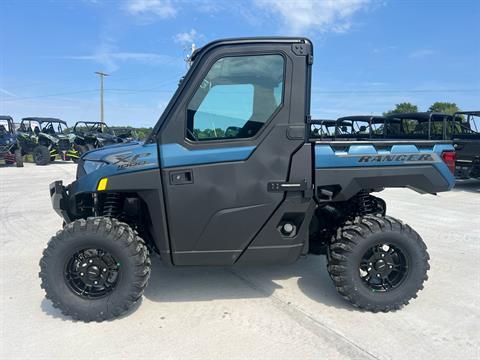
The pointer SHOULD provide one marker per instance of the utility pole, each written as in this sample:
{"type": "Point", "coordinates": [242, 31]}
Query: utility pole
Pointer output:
{"type": "Point", "coordinates": [102, 75]}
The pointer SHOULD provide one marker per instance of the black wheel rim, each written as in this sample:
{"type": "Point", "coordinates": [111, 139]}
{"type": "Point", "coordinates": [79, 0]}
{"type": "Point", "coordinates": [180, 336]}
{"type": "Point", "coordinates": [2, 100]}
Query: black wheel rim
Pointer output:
{"type": "Point", "coordinates": [92, 273]}
{"type": "Point", "coordinates": [383, 267]}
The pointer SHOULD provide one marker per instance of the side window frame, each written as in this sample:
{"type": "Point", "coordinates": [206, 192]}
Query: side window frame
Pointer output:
{"type": "Point", "coordinates": [267, 122]}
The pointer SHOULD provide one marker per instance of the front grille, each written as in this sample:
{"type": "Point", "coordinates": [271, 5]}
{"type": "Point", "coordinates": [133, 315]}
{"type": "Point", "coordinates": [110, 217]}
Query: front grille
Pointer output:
{"type": "Point", "coordinates": [64, 145]}
{"type": "Point", "coordinates": [4, 148]}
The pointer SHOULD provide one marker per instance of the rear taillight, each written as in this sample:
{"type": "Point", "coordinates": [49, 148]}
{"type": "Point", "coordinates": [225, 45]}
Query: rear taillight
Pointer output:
{"type": "Point", "coordinates": [448, 158]}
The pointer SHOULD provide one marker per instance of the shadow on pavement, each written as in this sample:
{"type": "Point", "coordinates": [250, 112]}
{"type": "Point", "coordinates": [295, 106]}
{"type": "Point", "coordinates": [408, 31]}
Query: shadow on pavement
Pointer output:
{"type": "Point", "coordinates": [208, 283]}
{"type": "Point", "coordinates": [470, 185]}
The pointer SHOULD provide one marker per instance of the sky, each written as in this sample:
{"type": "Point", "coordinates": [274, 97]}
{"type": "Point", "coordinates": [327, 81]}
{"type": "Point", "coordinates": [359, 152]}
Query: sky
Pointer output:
{"type": "Point", "coordinates": [369, 54]}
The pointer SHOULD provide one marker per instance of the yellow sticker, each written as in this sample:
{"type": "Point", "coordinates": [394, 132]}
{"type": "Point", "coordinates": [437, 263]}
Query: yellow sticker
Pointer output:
{"type": "Point", "coordinates": [102, 184]}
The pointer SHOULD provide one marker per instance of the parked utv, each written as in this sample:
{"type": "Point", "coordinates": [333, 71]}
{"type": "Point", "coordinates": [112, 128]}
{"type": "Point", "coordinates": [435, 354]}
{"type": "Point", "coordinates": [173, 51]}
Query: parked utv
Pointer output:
{"type": "Point", "coordinates": [461, 128]}
{"type": "Point", "coordinates": [464, 129]}
{"type": "Point", "coordinates": [127, 134]}
{"type": "Point", "coordinates": [91, 135]}
{"type": "Point", "coordinates": [231, 175]}
{"type": "Point", "coordinates": [10, 150]}
{"type": "Point", "coordinates": [45, 138]}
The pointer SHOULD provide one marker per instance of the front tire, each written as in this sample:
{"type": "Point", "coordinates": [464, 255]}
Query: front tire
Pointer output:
{"type": "Point", "coordinates": [18, 158]}
{"type": "Point", "coordinates": [95, 269]}
{"type": "Point", "coordinates": [81, 149]}
{"type": "Point", "coordinates": [41, 155]}
{"type": "Point", "coordinates": [378, 263]}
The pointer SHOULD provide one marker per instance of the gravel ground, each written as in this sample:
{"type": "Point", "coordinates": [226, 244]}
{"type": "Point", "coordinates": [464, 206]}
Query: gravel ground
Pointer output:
{"type": "Point", "coordinates": [271, 312]}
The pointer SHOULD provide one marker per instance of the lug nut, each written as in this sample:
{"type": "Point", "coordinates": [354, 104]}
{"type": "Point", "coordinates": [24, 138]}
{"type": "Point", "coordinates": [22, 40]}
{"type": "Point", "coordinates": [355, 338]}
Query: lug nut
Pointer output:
{"type": "Point", "coordinates": [81, 274]}
{"type": "Point", "coordinates": [378, 275]}
{"type": "Point", "coordinates": [95, 282]}
{"type": "Point", "coordinates": [104, 270]}
{"type": "Point", "coordinates": [90, 261]}
{"type": "Point", "coordinates": [390, 266]}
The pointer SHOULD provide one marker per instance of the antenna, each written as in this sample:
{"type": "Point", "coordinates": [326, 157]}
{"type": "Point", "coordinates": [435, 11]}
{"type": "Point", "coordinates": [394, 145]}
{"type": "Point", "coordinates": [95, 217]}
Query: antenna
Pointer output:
{"type": "Point", "coordinates": [188, 56]}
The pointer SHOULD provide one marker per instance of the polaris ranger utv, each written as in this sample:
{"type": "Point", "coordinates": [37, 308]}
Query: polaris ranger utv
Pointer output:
{"type": "Point", "coordinates": [10, 150]}
{"type": "Point", "coordinates": [45, 138]}
{"type": "Point", "coordinates": [231, 176]}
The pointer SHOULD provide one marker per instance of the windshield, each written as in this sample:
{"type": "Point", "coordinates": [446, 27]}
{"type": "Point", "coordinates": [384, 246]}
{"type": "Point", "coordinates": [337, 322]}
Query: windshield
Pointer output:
{"type": "Point", "coordinates": [50, 127]}
{"type": "Point", "coordinates": [5, 125]}
{"type": "Point", "coordinates": [467, 124]}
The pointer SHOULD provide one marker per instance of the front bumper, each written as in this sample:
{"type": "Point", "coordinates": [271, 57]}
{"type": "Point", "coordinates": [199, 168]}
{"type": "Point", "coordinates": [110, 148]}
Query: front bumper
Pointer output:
{"type": "Point", "coordinates": [59, 197]}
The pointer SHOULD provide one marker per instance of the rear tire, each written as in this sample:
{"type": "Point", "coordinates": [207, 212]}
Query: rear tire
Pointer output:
{"type": "Point", "coordinates": [378, 263]}
{"type": "Point", "coordinates": [18, 158]}
{"type": "Point", "coordinates": [100, 251]}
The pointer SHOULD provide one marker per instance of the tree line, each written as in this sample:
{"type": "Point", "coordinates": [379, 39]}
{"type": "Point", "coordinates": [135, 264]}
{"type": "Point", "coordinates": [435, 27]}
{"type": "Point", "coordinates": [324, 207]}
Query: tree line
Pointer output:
{"type": "Point", "coordinates": [440, 107]}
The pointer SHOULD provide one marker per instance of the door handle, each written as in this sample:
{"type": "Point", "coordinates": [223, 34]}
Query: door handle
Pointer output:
{"type": "Point", "coordinates": [181, 177]}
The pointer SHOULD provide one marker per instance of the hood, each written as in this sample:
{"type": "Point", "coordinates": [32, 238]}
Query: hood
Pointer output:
{"type": "Point", "coordinates": [56, 137]}
{"type": "Point", "coordinates": [108, 153]}
{"type": "Point", "coordinates": [124, 158]}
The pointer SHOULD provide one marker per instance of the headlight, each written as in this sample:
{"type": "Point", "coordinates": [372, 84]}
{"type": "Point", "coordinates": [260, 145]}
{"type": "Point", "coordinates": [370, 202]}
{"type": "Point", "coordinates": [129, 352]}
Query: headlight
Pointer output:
{"type": "Point", "coordinates": [90, 166]}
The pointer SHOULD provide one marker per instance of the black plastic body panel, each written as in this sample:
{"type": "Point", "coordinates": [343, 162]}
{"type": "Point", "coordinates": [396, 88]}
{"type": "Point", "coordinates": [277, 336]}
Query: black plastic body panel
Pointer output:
{"type": "Point", "coordinates": [352, 180]}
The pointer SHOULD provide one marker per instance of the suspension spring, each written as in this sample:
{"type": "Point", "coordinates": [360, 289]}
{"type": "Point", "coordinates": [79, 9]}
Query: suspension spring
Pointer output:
{"type": "Point", "coordinates": [111, 205]}
{"type": "Point", "coordinates": [366, 203]}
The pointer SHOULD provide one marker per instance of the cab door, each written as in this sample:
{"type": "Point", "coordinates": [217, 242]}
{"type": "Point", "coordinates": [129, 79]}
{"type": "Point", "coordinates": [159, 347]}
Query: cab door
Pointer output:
{"type": "Point", "coordinates": [232, 131]}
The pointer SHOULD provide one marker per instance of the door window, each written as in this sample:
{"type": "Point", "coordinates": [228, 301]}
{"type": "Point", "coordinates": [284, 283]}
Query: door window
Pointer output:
{"type": "Point", "coordinates": [236, 98]}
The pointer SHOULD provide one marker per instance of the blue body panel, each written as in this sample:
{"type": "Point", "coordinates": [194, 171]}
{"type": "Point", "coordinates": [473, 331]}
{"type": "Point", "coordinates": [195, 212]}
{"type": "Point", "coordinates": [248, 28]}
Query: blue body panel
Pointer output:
{"type": "Point", "coordinates": [132, 157]}
{"type": "Point", "coordinates": [176, 155]}
{"type": "Point", "coordinates": [328, 158]}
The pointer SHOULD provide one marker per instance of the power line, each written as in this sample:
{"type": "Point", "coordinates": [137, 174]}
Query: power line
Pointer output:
{"type": "Point", "coordinates": [51, 95]}
{"type": "Point", "coordinates": [327, 92]}
{"type": "Point", "coordinates": [395, 91]}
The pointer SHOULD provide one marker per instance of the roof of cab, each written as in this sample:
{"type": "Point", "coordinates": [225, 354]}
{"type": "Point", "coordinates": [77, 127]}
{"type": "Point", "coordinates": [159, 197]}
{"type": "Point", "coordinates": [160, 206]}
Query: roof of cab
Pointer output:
{"type": "Point", "coordinates": [474, 113]}
{"type": "Point", "coordinates": [44, 119]}
{"type": "Point", "coordinates": [250, 40]}
{"type": "Point", "coordinates": [373, 118]}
